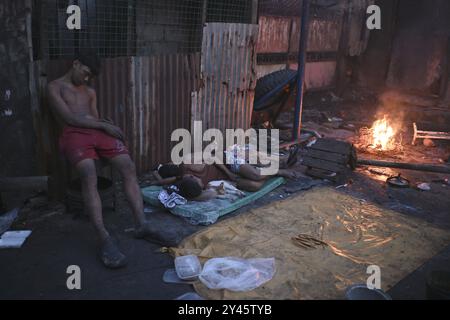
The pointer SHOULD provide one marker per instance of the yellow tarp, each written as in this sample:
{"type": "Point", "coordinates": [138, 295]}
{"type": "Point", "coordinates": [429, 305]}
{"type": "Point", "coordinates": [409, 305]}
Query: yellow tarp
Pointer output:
{"type": "Point", "coordinates": [359, 234]}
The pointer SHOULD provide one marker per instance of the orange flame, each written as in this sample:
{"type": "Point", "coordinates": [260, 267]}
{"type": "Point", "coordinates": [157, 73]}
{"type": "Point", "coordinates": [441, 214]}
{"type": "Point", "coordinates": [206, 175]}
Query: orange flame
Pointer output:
{"type": "Point", "coordinates": [383, 134]}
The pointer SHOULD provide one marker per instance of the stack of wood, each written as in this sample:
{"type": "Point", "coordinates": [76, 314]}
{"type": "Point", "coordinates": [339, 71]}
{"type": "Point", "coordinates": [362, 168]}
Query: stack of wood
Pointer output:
{"type": "Point", "coordinates": [330, 159]}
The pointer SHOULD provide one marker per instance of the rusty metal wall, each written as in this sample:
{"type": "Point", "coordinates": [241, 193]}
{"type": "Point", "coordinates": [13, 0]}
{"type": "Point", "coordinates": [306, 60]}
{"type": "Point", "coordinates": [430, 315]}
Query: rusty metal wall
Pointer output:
{"type": "Point", "coordinates": [148, 97]}
{"type": "Point", "coordinates": [161, 89]}
{"type": "Point", "coordinates": [335, 31]}
{"type": "Point", "coordinates": [280, 34]}
{"type": "Point", "coordinates": [357, 33]}
{"type": "Point", "coordinates": [274, 34]}
{"type": "Point", "coordinates": [228, 76]}
{"type": "Point", "coordinates": [278, 42]}
{"type": "Point", "coordinates": [324, 34]}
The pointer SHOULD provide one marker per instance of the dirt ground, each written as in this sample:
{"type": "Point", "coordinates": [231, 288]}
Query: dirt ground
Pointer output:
{"type": "Point", "coordinates": [38, 269]}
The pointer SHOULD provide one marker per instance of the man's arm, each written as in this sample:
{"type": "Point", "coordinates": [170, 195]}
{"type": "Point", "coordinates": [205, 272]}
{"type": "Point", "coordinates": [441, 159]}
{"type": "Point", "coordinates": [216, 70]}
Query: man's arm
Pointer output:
{"type": "Point", "coordinates": [93, 105]}
{"type": "Point", "coordinates": [198, 168]}
{"type": "Point", "coordinates": [164, 182]}
{"type": "Point", "coordinates": [61, 109]}
{"type": "Point", "coordinates": [207, 195]}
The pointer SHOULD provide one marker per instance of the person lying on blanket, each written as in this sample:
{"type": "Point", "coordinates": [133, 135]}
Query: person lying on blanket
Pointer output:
{"type": "Point", "coordinates": [192, 179]}
{"type": "Point", "coordinates": [250, 177]}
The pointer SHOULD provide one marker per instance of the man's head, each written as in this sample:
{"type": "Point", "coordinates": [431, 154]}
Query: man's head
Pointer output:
{"type": "Point", "coordinates": [190, 187]}
{"type": "Point", "coordinates": [169, 170]}
{"type": "Point", "coordinates": [85, 66]}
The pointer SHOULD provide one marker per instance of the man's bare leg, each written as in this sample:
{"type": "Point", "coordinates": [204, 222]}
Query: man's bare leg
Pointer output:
{"type": "Point", "coordinates": [110, 254]}
{"type": "Point", "coordinates": [127, 170]}
{"type": "Point", "coordinates": [249, 185]}
{"type": "Point", "coordinates": [247, 171]}
{"type": "Point", "coordinates": [250, 172]}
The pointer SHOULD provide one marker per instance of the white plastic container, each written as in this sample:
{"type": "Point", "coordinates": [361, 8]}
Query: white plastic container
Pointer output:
{"type": "Point", "coordinates": [188, 267]}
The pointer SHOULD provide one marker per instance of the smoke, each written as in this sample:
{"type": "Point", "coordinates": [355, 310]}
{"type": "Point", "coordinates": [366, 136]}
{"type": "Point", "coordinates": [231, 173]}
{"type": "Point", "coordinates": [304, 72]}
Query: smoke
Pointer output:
{"type": "Point", "coordinates": [391, 107]}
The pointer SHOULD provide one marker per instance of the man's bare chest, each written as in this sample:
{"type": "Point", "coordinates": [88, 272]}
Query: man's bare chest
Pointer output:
{"type": "Point", "coordinates": [75, 98]}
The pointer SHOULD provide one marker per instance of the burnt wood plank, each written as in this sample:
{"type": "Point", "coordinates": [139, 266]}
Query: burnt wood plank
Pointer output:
{"type": "Point", "coordinates": [328, 156]}
{"type": "Point", "coordinates": [322, 174]}
{"type": "Point", "coordinates": [323, 164]}
{"type": "Point", "coordinates": [331, 145]}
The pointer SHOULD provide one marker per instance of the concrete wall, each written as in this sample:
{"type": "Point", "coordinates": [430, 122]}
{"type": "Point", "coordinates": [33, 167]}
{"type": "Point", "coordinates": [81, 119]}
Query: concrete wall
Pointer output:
{"type": "Point", "coordinates": [420, 45]}
{"type": "Point", "coordinates": [17, 154]}
{"type": "Point", "coordinates": [373, 65]}
{"type": "Point", "coordinates": [410, 51]}
{"type": "Point", "coordinates": [168, 27]}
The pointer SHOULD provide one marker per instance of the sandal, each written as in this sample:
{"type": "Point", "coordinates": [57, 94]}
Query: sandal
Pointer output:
{"type": "Point", "coordinates": [111, 256]}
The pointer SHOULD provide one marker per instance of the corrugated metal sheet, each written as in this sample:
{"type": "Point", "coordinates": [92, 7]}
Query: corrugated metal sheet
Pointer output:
{"type": "Point", "coordinates": [228, 76]}
{"type": "Point", "coordinates": [148, 97]}
{"type": "Point", "coordinates": [274, 34]}
{"type": "Point", "coordinates": [358, 34]}
{"type": "Point", "coordinates": [281, 34]}
{"type": "Point", "coordinates": [324, 35]}
{"type": "Point", "coordinates": [161, 95]}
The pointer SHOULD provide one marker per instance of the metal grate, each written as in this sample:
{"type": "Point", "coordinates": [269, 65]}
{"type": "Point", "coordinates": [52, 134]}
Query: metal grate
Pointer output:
{"type": "Point", "coordinates": [230, 11]}
{"type": "Point", "coordinates": [292, 57]}
{"type": "Point", "coordinates": [292, 8]}
{"type": "Point", "coordinates": [131, 27]}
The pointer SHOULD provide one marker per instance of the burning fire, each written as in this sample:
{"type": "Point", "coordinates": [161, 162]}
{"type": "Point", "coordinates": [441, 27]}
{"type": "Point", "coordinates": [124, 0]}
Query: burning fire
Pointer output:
{"type": "Point", "coordinates": [382, 135]}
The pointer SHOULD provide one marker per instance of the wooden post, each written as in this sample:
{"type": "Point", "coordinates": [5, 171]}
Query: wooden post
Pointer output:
{"type": "Point", "coordinates": [254, 10]}
{"type": "Point", "coordinates": [445, 81]}
{"type": "Point", "coordinates": [131, 31]}
{"type": "Point", "coordinates": [409, 166]}
{"type": "Point", "coordinates": [341, 68]}
{"type": "Point", "coordinates": [23, 183]}
{"type": "Point", "coordinates": [204, 13]}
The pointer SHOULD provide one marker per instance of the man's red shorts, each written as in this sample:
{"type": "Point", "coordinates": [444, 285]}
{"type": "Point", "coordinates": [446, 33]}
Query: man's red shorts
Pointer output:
{"type": "Point", "coordinates": [78, 144]}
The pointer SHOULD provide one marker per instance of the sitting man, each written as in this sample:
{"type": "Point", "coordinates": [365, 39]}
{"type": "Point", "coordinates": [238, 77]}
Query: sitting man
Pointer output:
{"type": "Point", "coordinates": [85, 138]}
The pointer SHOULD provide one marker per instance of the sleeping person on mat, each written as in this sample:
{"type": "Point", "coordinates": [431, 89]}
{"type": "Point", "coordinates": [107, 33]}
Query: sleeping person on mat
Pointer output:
{"type": "Point", "coordinates": [192, 179]}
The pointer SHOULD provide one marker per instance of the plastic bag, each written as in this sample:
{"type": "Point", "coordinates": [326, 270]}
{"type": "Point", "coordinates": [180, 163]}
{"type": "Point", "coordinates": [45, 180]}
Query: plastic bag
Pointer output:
{"type": "Point", "coordinates": [237, 274]}
{"type": "Point", "coordinates": [7, 219]}
{"type": "Point", "coordinates": [189, 296]}
{"type": "Point", "coordinates": [187, 267]}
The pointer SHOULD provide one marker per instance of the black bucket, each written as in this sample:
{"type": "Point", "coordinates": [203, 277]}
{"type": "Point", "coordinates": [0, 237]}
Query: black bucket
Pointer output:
{"type": "Point", "coordinates": [362, 292]}
{"type": "Point", "coordinates": [438, 285]}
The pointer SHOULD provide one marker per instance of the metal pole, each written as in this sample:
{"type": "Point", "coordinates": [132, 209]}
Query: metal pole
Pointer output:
{"type": "Point", "coordinates": [304, 30]}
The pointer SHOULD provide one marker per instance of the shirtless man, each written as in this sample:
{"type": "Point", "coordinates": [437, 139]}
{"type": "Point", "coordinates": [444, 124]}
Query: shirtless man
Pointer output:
{"type": "Point", "coordinates": [85, 138]}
